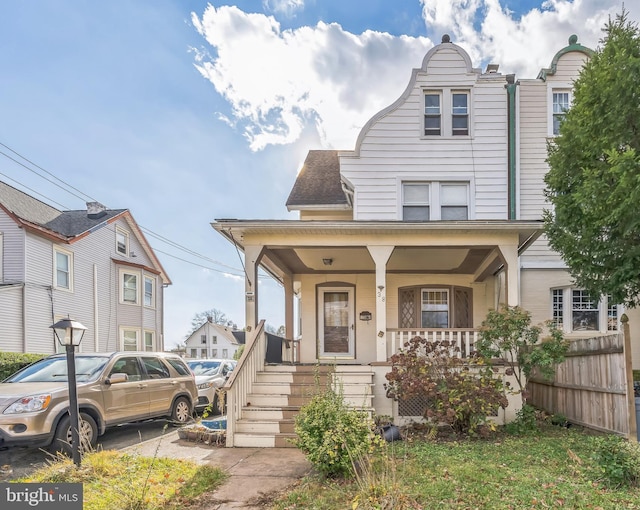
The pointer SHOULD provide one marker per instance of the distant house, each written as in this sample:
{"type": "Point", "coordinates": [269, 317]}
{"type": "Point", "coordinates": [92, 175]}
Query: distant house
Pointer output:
{"type": "Point", "coordinates": [93, 265]}
{"type": "Point", "coordinates": [213, 340]}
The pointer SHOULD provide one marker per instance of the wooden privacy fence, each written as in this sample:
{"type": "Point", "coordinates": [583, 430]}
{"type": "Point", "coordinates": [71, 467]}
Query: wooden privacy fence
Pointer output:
{"type": "Point", "coordinates": [593, 387]}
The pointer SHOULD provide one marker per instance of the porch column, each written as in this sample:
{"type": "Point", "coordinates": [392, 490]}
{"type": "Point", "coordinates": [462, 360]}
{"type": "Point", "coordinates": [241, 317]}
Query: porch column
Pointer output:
{"type": "Point", "coordinates": [252, 256]}
{"type": "Point", "coordinates": [380, 255]}
{"type": "Point", "coordinates": [288, 306]}
{"type": "Point", "coordinates": [512, 273]}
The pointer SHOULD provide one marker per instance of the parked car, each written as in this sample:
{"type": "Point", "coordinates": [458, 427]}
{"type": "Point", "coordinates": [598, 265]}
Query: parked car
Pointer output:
{"type": "Point", "coordinates": [211, 374]}
{"type": "Point", "coordinates": [113, 388]}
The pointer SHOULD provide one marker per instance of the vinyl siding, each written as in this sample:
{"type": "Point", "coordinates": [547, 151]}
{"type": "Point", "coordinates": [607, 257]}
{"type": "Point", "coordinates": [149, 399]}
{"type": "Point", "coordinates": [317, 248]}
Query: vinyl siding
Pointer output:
{"type": "Point", "coordinates": [393, 149]}
{"type": "Point", "coordinates": [12, 251]}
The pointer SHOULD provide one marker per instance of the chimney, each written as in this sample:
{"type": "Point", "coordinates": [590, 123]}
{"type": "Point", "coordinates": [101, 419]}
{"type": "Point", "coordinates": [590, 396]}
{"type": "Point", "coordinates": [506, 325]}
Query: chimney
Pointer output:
{"type": "Point", "coordinates": [95, 210]}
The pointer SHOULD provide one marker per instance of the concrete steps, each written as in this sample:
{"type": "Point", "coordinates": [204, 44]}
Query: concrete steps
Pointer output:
{"type": "Point", "coordinates": [281, 390]}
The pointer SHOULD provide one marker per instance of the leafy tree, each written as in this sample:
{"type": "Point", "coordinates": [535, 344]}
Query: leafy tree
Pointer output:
{"type": "Point", "coordinates": [507, 334]}
{"type": "Point", "coordinates": [216, 316]}
{"type": "Point", "coordinates": [594, 177]}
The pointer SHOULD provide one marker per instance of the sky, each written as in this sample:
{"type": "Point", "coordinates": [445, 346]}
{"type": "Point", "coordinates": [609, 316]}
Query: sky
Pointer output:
{"type": "Point", "coordinates": [186, 111]}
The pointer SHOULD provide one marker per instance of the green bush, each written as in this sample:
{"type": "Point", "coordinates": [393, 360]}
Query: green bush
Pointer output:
{"type": "Point", "coordinates": [617, 461]}
{"type": "Point", "coordinates": [459, 392]}
{"type": "Point", "coordinates": [11, 362]}
{"type": "Point", "coordinates": [331, 434]}
{"type": "Point", "coordinates": [525, 422]}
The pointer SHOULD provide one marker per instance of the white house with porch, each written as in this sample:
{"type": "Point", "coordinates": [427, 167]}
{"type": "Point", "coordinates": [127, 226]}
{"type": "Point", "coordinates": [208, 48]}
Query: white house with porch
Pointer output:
{"type": "Point", "coordinates": [420, 230]}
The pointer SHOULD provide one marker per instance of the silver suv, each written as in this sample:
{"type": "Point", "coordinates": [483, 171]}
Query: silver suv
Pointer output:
{"type": "Point", "coordinates": [112, 389]}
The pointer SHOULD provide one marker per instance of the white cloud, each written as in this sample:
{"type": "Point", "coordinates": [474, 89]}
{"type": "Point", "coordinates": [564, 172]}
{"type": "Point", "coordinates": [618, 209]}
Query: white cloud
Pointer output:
{"type": "Point", "coordinates": [522, 45]}
{"type": "Point", "coordinates": [286, 7]}
{"type": "Point", "coordinates": [279, 81]}
{"type": "Point", "coordinates": [234, 277]}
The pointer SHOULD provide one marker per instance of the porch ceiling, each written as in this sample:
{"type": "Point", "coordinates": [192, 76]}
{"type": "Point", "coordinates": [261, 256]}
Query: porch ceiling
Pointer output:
{"type": "Point", "coordinates": [335, 259]}
{"type": "Point", "coordinates": [299, 247]}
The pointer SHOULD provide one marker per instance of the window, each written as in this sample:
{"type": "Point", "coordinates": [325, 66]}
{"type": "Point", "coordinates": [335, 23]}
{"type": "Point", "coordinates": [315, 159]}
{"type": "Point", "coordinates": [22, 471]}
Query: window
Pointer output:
{"type": "Point", "coordinates": [557, 305]}
{"type": "Point", "coordinates": [432, 117]}
{"type": "Point", "coordinates": [453, 201]}
{"type": "Point", "coordinates": [203, 339]}
{"type": "Point", "coordinates": [612, 317]}
{"type": "Point", "coordinates": [415, 201]}
{"type": "Point", "coordinates": [155, 368]}
{"type": "Point", "coordinates": [149, 341]}
{"type": "Point", "coordinates": [122, 241]}
{"type": "Point", "coordinates": [129, 338]}
{"type": "Point", "coordinates": [424, 201]}
{"type": "Point", "coordinates": [225, 353]}
{"type": "Point", "coordinates": [460, 114]}
{"type": "Point", "coordinates": [148, 291]}
{"type": "Point", "coordinates": [435, 308]}
{"type": "Point", "coordinates": [214, 339]}
{"type": "Point", "coordinates": [214, 353]}
{"type": "Point", "coordinates": [584, 310]}
{"type": "Point", "coordinates": [560, 101]}
{"type": "Point", "coordinates": [456, 122]}
{"type": "Point", "coordinates": [194, 353]}
{"type": "Point", "coordinates": [575, 310]}
{"type": "Point", "coordinates": [63, 276]}
{"type": "Point", "coordinates": [129, 288]}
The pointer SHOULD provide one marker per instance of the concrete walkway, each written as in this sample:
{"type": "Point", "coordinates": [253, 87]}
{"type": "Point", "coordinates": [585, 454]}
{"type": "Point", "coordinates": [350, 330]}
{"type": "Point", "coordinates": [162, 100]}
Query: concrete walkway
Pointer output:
{"type": "Point", "coordinates": [255, 473]}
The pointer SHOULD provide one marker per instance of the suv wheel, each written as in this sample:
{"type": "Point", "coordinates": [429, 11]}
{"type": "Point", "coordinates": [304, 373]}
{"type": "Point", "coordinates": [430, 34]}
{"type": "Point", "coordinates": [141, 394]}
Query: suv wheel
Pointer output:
{"type": "Point", "coordinates": [181, 410]}
{"type": "Point", "coordinates": [62, 441]}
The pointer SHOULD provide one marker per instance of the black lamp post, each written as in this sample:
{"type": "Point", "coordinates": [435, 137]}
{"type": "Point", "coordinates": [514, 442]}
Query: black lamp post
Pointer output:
{"type": "Point", "coordinates": [69, 334]}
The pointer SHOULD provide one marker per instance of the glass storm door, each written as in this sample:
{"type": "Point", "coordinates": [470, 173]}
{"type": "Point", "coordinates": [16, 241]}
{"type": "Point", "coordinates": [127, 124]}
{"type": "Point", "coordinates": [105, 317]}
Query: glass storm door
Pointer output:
{"type": "Point", "coordinates": [335, 322]}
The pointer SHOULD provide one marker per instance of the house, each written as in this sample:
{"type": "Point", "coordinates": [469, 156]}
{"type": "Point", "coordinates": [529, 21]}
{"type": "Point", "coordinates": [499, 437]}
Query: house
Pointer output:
{"type": "Point", "coordinates": [433, 219]}
{"type": "Point", "coordinates": [93, 265]}
{"type": "Point", "coordinates": [213, 340]}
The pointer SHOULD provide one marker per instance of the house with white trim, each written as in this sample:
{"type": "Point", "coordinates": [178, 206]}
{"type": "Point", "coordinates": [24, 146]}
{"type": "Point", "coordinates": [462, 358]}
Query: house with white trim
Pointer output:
{"type": "Point", "coordinates": [213, 340]}
{"type": "Point", "coordinates": [93, 265]}
{"type": "Point", "coordinates": [433, 219]}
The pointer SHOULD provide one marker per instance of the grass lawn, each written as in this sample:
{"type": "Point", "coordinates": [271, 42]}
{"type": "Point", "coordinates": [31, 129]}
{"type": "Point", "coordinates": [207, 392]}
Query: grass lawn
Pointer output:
{"type": "Point", "coordinates": [117, 481]}
{"type": "Point", "coordinates": [551, 469]}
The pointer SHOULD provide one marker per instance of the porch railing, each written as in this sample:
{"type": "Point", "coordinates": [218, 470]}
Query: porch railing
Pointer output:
{"type": "Point", "coordinates": [243, 377]}
{"type": "Point", "coordinates": [464, 338]}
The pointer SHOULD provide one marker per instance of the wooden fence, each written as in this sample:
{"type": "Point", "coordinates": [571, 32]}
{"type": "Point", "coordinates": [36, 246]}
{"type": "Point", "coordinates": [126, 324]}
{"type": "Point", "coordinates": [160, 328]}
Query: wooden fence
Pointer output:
{"type": "Point", "coordinates": [593, 387]}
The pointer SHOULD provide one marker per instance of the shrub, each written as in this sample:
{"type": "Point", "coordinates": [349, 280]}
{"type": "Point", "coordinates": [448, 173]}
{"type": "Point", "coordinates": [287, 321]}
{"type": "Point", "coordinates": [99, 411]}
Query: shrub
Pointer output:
{"type": "Point", "coordinates": [331, 434]}
{"type": "Point", "coordinates": [455, 391]}
{"type": "Point", "coordinates": [507, 334]}
{"type": "Point", "coordinates": [11, 362]}
{"type": "Point", "coordinates": [617, 461]}
{"type": "Point", "coordinates": [525, 422]}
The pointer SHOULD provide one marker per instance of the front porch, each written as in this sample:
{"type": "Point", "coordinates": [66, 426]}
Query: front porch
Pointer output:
{"type": "Point", "coordinates": [362, 290]}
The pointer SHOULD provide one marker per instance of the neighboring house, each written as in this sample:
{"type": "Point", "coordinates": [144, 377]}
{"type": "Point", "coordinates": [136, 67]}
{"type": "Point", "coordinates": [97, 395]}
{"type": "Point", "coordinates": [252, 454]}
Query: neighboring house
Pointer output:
{"type": "Point", "coordinates": [431, 221]}
{"type": "Point", "coordinates": [213, 340]}
{"type": "Point", "coordinates": [94, 266]}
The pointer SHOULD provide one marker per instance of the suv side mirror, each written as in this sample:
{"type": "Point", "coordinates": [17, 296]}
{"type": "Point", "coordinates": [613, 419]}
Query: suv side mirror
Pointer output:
{"type": "Point", "coordinates": [116, 378]}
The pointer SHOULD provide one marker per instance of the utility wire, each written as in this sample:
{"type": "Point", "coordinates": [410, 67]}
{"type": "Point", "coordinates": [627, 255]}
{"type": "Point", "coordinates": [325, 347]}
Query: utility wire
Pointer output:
{"type": "Point", "coordinates": [83, 196]}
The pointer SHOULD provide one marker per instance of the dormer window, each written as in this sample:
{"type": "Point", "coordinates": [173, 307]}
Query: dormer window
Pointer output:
{"type": "Point", "coordinates": [561, 102]}
{"type": "Point", "coordinates": [432, 116]}
{"type": "Point", "coordinates": [122, 242]}
{"type": "Point", "coordinates": [460, 114]}
{"type": "Point", "coordinates": [456, 122]}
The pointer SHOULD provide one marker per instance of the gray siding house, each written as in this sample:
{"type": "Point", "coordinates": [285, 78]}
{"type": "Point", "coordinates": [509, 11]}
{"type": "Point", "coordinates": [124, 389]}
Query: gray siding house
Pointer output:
{"type": "Point", "coordinates": [93, 265]}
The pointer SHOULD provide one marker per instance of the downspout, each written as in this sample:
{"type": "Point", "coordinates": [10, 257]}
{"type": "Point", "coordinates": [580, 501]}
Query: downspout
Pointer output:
{"type": "Point", "coordinates": [511, 144]}
{"type": "Point", "coordinates": [96, 346]}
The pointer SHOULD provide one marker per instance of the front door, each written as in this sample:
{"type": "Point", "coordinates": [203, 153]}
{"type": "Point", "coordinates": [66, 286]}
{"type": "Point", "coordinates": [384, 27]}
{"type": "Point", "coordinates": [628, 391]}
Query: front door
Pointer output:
{"type": "Point", "coordinates": [336, 322]}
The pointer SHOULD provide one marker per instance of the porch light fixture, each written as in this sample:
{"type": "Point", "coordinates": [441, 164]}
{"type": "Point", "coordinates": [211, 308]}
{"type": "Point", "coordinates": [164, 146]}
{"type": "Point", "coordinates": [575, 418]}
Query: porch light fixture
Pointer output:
{"type": "Point", "coordinates": [69, 334]}
{"type": "Point", "coordinates": [327, 262]}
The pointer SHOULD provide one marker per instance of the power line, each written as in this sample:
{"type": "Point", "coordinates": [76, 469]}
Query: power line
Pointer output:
{"type": "Point", "coordinates": [85, 196]}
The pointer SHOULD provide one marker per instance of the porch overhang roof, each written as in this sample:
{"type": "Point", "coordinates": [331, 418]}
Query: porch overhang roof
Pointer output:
{"type": "Point", "coordinates": [281, 237]}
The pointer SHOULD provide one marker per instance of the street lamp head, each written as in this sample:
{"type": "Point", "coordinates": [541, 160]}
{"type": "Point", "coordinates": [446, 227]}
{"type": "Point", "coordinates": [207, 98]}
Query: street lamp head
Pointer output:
{"type": "Point", "coordinates": [68, 331]}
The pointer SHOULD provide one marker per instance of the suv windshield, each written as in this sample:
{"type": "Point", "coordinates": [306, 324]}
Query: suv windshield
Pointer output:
{"type": "Point", "coordinates": [88, 368]}
{"type": "Point", "coordinates": [204, 367]}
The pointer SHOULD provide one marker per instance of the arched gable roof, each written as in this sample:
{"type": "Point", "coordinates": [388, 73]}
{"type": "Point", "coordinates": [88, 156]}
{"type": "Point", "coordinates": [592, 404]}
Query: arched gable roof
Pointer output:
{"type": "Point", "coordinates": [445, 45]}
{"type": "Point", "coordinates": [573, 46]}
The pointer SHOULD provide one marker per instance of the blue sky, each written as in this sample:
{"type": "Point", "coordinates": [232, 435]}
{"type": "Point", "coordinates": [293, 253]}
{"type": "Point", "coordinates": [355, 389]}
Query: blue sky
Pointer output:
{"type": "Point", "coordinates": [187, 111]}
